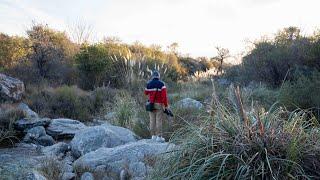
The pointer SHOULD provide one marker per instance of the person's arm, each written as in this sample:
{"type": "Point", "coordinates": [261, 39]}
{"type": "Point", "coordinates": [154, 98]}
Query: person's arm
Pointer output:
{"type": "Point", "coordinates": [164, 96]}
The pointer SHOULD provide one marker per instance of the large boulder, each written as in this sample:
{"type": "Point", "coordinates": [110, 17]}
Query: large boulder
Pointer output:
{"type": "Point", "coordinates": [64, 128]}
{"type": "Point", "coordinates": [95, 137]}
{"type": "Point", "coordinates": [131, 157]}
{"type": "Point", "coordinates": [28, 113]}
{"type": "Point", "coordinates": [189, 103]}
{"type": "Point", "coordinates": [25, 124]}
{"type": "Point", "coordinates": [11, 88]}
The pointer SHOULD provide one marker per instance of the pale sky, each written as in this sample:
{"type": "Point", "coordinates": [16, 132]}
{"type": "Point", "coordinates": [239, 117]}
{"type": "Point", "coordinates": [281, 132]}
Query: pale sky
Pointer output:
{"type": "Point", "coordinates": [196, 25]}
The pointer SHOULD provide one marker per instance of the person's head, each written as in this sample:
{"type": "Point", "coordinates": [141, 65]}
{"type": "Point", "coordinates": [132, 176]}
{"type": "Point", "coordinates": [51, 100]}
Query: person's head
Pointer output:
{"type": "Point", "coordinates": [155, 74]}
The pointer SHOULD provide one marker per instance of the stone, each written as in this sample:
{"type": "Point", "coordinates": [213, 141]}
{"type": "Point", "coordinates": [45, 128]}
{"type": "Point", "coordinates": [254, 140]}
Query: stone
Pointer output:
{"type": "Point", "coordinates": [67, 168]}
{"type": "Point", "coordinates": [68, 176]}
{"type": "Point", "coordinates": [87, 176]}
{"type": "Point", "coordinates": [95, 137]}
{"type": "Point", "coordinates": [131, 155]}
{"type": "Point", "coordinates": [56, 149]}
{"type": "Point", "coordinates": [28, 113]}
{"type": "Point", "coordinates": [11, 88]}
{"type": "Point", "coordinates": [189, 103]}
{"type": "Point", "coordinates": [37, 131]}
{"type": "Point", "coordinates": [64, 128]}
{"type": "Point", "coordinates": [45, 140]}
{"type": "Point", "coordinates": [25, 124]}
{"type": "Point", "coordinates": [34, 175]}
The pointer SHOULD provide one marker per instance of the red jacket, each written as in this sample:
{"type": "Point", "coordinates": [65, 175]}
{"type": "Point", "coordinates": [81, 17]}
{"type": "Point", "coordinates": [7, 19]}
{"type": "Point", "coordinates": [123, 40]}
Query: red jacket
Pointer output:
{"type": "Point", "coordinates": [157, 92]}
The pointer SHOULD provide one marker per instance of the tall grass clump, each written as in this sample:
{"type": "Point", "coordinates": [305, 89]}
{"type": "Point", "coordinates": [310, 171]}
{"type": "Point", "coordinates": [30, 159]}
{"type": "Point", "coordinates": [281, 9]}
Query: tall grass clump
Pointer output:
{"type": "Point", "coordinates": [125, 109]}
{"type": "Point", "coordinates": [8, 115]}
{"type": "Point", "coordinates": [244, 145]}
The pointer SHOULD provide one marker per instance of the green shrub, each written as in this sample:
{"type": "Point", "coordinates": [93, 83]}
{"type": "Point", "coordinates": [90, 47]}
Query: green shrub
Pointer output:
{"type": "Point", "coordinates": [66, 101]}
{"type": "Point", "coordinates": [261, 94]}
{"type": "Point", "coordinates": [102, 95]}
{"type": "Point", "coordinates": [302, 93]}
{"type": "Point", "coordinates": [93, 62]}
{"type": "Point", "coordinates": [71, 102]}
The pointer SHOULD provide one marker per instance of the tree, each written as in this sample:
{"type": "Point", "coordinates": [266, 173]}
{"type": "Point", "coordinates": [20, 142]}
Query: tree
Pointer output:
{"type": "Point", "coordinates": [222, 54]}
{"type": "Point", "coordinates": [93, 62]}
{"type": "Point", "coordinates": [12, 49]}
{"type": "Point", "coordinates": [51, 52]}
{"type": "Point", "coordinates": [80, 32]}
{"type": "Point", "coordinates": [173, 48]}
{"type": "Point", "coordinates": [287, 35]}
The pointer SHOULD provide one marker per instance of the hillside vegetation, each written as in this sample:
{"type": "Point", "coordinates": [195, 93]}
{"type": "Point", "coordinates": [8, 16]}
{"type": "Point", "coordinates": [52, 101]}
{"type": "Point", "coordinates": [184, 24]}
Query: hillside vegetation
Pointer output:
{"type": "Point", "coordinates": [260, 118]}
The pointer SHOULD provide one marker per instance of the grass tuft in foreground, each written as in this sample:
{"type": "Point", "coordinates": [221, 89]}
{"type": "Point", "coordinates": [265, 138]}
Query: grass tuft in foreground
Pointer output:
{"type": "Point", "coordinates": [250, 145]}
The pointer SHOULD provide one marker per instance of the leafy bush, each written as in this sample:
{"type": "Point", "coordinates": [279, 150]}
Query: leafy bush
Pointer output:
{"type": "Point", "coordinates": [266, 146]}
{"type": "Point", "coordinates": [302, 92]}
{"type": "Point", "coordinates": [71, 102]}
{"type": "Point", "coordinates": [66, 101]}
{"type": "Point", "coordinates": [272, 60]}
{"type": "Point", "coordinates": [93, 62]}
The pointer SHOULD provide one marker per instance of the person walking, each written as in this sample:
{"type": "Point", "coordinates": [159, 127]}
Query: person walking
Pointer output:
{"type": "Point", "coordinates": [157, 92]}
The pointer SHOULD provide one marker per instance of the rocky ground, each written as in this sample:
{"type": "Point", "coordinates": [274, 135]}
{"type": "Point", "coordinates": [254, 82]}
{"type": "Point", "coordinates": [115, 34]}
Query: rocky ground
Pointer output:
{"type": "Point", "coordinates": [77, 150]}
{"type": "Point", "coordinates": [68, 149]}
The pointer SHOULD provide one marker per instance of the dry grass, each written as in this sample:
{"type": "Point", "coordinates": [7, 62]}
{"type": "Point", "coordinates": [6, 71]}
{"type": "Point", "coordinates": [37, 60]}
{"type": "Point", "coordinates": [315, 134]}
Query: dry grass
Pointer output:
{"type": "Point", "coordinates": [51, 168]}
{"type": "Point", "coordinates": [8, 115]}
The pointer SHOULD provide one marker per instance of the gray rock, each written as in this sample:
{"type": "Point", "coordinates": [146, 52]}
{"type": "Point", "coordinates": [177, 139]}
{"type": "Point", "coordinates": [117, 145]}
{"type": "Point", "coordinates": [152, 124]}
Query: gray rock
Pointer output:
{"type": "Point", "coordinates": [37, 135]}
{"type": "Point", "coordinates": [105, 135]}
{"type": "Point", "coordinates": [45, 140]}
{"type": "Point", "coordinates": [67, 168]}
{"type": "Point", "coordinates": [87, 176]}
{"type": "Point", "coordinates": [56, 149]}
{"type": "Point", "coordinates": [11, 88]}
{"type": "Point", "coordinates": [35, 176]}
{"type": "Point", "coordinates": [28, 113]}
{"type": "Point", "coordinates": [37, 132]}
{"type": "Point", "coordinates": [68, 176]}
{"type": "Point", "coordinates": [64, 128]}
{"type": "Point", "coordinates": [189, 103]}
{"type": "Point", "coordinates": [25, 124]}
{"type": "Point", "coordinates": [131, 155]}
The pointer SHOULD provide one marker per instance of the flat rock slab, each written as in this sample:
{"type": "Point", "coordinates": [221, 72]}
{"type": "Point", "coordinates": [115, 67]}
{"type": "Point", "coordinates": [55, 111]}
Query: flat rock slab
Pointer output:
{"type": "Point", "coordinates": [25, 124]}
{"type": "Point", "coordinates": [56, 149]}
{"type": "Point", "coordinates": [18, 162]}
{"type": "Point", "coordinates": [132, 155]}
{"type": "Point", "coordinates": [95, 137]}
{"type": "Point", "coordinates": [64, 128]}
